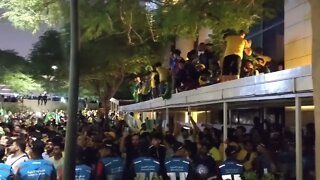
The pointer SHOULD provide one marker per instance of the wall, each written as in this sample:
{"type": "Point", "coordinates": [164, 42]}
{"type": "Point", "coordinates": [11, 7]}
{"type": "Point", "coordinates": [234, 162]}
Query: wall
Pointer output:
{"type": "Point", "coordinates": [185, 45]}
{"type": "Point", "coordinates": [50, 106]}
{"type": "Point", "coordinates": [307, 117]}
{"type": "Point", "coordinates": [204, 35]}
{"type": "Point", "coordinates": [298, 33]}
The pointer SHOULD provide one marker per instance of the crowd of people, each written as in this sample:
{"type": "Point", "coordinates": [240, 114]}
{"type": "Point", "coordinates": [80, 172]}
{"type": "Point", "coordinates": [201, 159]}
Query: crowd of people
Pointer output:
{"type": "Point", "coordinates": [114, 148]}
{"type": "Point", "coordinates": [202, 67]}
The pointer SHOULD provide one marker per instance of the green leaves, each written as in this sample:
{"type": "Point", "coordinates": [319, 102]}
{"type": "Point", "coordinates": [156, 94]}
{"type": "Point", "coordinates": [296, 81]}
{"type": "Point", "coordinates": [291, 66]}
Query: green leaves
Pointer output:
{"type": "Point", "coordinates": [122, 37]}
{"type": "Point", "coordinates": [30, 14]}
{"type": "Point", "coordinates": [20, 82]}
{"type": "Point", "coordinates": [14, 74]}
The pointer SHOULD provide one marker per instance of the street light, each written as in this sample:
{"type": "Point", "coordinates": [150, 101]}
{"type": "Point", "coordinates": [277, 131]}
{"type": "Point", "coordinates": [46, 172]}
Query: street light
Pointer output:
{"type": "Point", "coordinates": [54, 67]}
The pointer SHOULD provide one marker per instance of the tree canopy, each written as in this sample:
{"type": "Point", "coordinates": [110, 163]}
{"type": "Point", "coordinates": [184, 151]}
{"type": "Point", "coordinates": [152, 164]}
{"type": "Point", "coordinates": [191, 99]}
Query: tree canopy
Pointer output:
{"type": "Point", "coordinates": [121, 37]}
{"type": "Point", "coordinates": [48, 62]}
{"type": "Point", "coordinates": [14, 73]}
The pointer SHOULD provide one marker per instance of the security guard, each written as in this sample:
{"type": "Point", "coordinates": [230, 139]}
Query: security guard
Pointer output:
{"type": "Point", "coordinates": [230, 169]}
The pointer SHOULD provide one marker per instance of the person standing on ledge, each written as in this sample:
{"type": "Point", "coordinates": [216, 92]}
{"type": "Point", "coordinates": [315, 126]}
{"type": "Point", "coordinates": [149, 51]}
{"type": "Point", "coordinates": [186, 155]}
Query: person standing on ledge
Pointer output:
{"type": "Point", "coordinates": [235, 45]}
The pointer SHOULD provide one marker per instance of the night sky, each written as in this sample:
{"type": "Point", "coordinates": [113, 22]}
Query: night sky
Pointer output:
{"type": "Point", "coordinates": [18, 40]}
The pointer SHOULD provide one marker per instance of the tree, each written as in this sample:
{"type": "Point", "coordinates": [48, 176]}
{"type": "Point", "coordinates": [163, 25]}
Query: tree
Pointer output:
{"type": "Point", "coordinates": [30, 14]}
{"type": "Point", "coordinates": [104, 72]}
{"type": "Point", "coordinates": [10, 60]}
{"type": "Point", "coordinates": [48, 60]}
{"type": "Point", "coordinates": [118, 36]}
{"type": "Point", "coordinates": [20, 82]}
{"type": "Point", "coordinates": [14, 73]}
{"type": "Point", "coordinates": [315, 14]}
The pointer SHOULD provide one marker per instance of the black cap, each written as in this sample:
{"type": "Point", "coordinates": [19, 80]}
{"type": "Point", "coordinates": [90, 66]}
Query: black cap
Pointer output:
{"type": "Point", "coordinates": [157, 136]}
{"type": "Point", "coordinates": [177, 146]}
{"type": "Point", "coordinates": [231, 150]}
{"type": "Point", "coordinates": [108, 145]}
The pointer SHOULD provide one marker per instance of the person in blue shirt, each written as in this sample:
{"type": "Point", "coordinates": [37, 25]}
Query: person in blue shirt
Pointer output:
{"type": "Point", "coordinates": [37, 167]}
{"type": "Point", "coordinates": [178, 167]}
{"type": "Point", "coordinates": [82, 171]}
{"type": "Point", "coordinates": [111, 165]}
{"type": "Point", "coordinates": [6, 172]}
{"type": "Point", "coordinates": [230, 169]}
{"type": "Point", "coordinates": [146, 168]}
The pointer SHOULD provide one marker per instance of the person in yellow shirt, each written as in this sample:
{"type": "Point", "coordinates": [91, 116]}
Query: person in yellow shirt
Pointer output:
{"type": "Point", "coordinates": [235, 45]}
{"type": "Point", "coordinates": [215, 154]}
{"type": "Point", "coordinates": [247, 155]}
{"type": "Point", "coordinates": [163, 77]}
{"type": "Point", "coordinates": [154, 83]}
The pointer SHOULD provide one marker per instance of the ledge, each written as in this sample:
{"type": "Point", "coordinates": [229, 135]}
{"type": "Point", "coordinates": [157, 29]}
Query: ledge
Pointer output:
{"type": "Point", "coordinates": [282, 84]}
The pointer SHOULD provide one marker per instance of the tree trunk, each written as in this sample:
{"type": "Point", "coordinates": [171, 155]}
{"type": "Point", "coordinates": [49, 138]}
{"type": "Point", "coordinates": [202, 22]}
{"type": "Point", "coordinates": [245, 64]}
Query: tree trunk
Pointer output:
{"type": "Point", "coordinates": [315, 14]}
{"type": "Point", "coordinates": [110, 89]}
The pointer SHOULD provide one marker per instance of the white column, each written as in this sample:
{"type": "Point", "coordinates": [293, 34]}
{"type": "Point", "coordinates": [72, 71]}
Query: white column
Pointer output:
{"type": "Point", "coordinates": [204, 34]}
{"type": "Point", "coordinates": [185, 45]}
{"type": "Point", "coordinates": [298, 139]}
{"type": "Point", "coordinates": [225, 125]}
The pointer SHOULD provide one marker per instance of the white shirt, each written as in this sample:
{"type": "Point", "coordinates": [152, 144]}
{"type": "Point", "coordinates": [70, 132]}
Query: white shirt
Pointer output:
{"type": "Point", "coordinates": [57, 163]}
{"type": "Point", "coordinates": [15, 162]}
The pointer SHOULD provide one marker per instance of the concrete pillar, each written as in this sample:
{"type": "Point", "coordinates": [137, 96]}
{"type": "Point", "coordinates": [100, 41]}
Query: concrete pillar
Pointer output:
{"type": "Point", "coordinates": [225, 125]}
{"type": "Point", "coordinates": [204, 34]}
{"type": "Point", "coordinates": [185, 45]}
{"type": "Point", "coordinates": [298, 33]}
{"type": "Point", "coordinates": [298, 130]}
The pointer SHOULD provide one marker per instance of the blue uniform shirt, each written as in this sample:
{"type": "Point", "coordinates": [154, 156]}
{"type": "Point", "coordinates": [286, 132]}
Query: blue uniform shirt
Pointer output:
{"type": "Point", "coordinates": [113, 167]}
{"type": "Point", "coordinates": [83, 172]}
{"type": "Point", "coordinates": [36, 169]}
{"type": "Point", "coordinates": [5, 171]}
{"type": "Point", "coordinates": [178, 168]}
{"type": "Point", "coordinates": [231, 169]}
{"type": "Point", "coordinates": [146, 168]}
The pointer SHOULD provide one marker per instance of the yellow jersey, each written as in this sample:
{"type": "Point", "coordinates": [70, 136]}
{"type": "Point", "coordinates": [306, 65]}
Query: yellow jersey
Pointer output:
{"type": "Point", "coordinates": [163, 73]}
{"type": "Point", "coordinates": [235, 46]}
{"type": "Point", "coordinates": [215, 154]}
{"type": "Point", "coordinates": [152, 80]}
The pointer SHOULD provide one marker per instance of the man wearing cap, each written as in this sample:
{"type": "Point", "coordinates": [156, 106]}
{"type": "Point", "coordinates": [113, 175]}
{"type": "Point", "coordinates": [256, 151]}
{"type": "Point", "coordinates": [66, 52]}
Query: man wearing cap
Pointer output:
{"type": "Point", "coordinates": [207, 58]}
{"type": "Point", "coordinates": [230, 169]}
{"type": "Point", "coordinates": [36, 168]}
{"type": "Point", "coordinates": [204, 165]}
{"type": "Point", "coordinates": [157, 150]}
{"type": "Point", "coordinates": [111, 165]}
{"type": "Point", "coordinates": [178, 167]}
{"type": "Point", "coordinates": [82, 170]}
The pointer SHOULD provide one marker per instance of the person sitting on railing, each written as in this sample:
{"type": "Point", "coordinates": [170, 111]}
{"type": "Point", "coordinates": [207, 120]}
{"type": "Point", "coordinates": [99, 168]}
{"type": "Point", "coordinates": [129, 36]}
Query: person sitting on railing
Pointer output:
{"type": "Point", "coordinates": [204, 75]}
{"type": "Point", "coordinates": [261, 66]}
{"type": "Point", "coordinates": [248, 69]}
{"type": "Point", "coordinates": [259, 54]}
